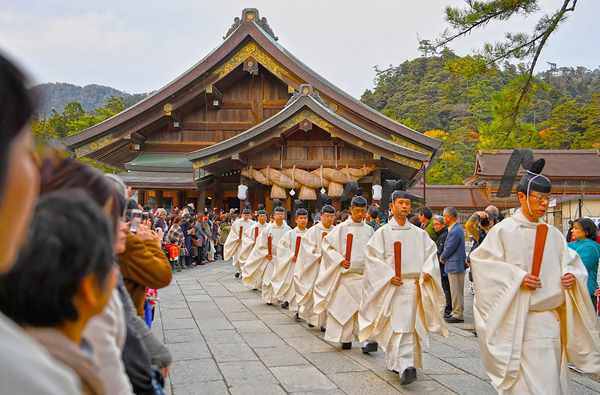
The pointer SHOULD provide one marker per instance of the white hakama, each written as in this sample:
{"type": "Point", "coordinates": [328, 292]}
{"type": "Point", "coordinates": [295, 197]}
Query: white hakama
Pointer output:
{"type": "Point", "coordinates": [233, 244]}
{"type": "Point", "coordinates": [305, 275]}
{"type": "Point", "coordinates": [283, 273]}
{"type": "Point", "coordinates": [258, 266]}
{"type": "Point", "coordinates": [400, 317]}
{"type": "Point", "coordinates": [526, 337]}
{"type": "Point", "coordinates": [337, 290]}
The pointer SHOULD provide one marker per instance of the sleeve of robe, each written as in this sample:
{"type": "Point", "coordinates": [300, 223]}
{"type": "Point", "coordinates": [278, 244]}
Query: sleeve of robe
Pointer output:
{"type": "Point", "coordinates": [247, 244]}
{"type": "Point", "coordinates": [579, 322]}
{"type": "Point", "coordinates": [256, 263]}
{"type": "Point", "coordinates": [500, 309]}
{"type": "Point", "coordinates": [378, 290]}
{"type": "Point", "coordinates": [233, 241]}
{"type": "Point", "coordinates": [307, 265]}
{"type": "Point", "coordinates": [330, 270]}
{"type": "Point", "coordinates": [282, 274]}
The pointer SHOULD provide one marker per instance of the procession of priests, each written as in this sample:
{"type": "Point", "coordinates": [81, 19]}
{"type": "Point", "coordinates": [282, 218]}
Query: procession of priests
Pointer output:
{"type": "Point", "coordinates": [383, 288]}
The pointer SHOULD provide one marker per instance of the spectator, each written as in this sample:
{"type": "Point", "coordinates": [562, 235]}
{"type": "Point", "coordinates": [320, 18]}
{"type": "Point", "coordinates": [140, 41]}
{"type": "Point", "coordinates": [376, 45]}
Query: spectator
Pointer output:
{"type": "Point", "coordinates": [144, 264]}
{"type": "Point", "coordinates": [415, 221]}
{"type": "Point", "coordinates": [186, 228]}
{"type": "Point", "coordinates": [426, 218]}
{"type": "Point", "coordinates": [584, 236]}
{"type": "Point", "coordinates": [27, 368]}
{"type": "Point", "coordinates": [126, 348]}
{"type": "Point", "coordinates": [75, 239]}
{"type": "Point", "coordinates": [453, 257]}
{"type": "Point", "coordinates": [161, 220]}
{"type": "Point", "coordinates": [372, 214]}
{"type": "Point", "coordinates": [203, 237]}
{"type": "Point", "coordinates": [570, 232]}
{"type": "Point", "coordinates": [176, 238]}
{"type": "Point", "coordinates": [225, 229]}
{"type": "Point", "coordinates": [441, 232]}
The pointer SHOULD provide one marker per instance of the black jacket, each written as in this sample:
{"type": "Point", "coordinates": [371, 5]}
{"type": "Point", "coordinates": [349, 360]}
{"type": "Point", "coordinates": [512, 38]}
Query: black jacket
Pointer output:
{"type": "Point", "coordinates": [441, 240]}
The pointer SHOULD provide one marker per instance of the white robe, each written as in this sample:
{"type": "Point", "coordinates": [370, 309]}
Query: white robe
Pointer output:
{"type": "Point", "coordinates": [232, 247]}
{"type": "Point", "coordinates": [258, 267]}
{"type": "Point", "coordinates": [283, 273]}
{"type": "Point", "coordinates": [339, 290]}
{"type": "Point", "coordinates": [416, 306]}
{"type": "Point", "coordinates": [305, 275]}
{"type": "Point", "coordinates": [248, 241]}
{"type": "Point", "coordinates": [509, 319]}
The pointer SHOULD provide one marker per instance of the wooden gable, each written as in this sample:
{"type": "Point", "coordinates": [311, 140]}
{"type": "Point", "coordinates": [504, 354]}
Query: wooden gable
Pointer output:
{"type": "Point", "coordinates": [243, 83]}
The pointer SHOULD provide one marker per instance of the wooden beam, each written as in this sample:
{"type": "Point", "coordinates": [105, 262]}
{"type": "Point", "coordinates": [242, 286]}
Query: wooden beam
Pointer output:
{"type": "Point", "coordinates": [229, 126]}
{"type": "Point", "coordinates": [237, 104]}
{"type": "Point", "coordinates": [311, 163]}
{"type": "Point", "coordinates": [310, 143]}
{"type": "Point", "coordinates": [251, 66]}
{"type": "Point", "coordinates": [240, 158]}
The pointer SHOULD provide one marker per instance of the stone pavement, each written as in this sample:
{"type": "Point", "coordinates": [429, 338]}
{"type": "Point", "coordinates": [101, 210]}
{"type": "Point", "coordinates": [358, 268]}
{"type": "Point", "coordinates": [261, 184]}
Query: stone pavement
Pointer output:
{"type": "Point", "coordinates": [226, 340]}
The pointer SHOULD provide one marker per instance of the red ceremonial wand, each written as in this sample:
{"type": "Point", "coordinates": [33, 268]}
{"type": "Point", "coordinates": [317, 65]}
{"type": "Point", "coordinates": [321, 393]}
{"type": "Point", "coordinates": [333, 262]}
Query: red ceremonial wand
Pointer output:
{"type": "Point", "coordinates": [398, 258]}
{"type": "Point", "coordinates": [538, 249]}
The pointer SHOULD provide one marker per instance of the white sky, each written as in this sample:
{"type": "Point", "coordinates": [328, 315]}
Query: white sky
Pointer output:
{"type": "Point", "coordinates": [141, 45]}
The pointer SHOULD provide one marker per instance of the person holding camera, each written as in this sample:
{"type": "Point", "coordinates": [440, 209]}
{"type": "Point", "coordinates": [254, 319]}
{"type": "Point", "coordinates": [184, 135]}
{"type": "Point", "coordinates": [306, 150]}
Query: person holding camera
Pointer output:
{"type": "Point", "coordinates": [478, 226]}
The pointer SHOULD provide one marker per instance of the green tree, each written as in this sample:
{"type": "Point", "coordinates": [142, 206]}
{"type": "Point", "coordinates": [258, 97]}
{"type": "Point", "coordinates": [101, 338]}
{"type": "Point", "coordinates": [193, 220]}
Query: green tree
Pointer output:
{"type": "Point", "coordinates": [524, 47]}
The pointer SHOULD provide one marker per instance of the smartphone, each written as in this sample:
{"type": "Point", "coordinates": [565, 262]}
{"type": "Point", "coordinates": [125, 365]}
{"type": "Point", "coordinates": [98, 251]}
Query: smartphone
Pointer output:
{"type": "Point", "coordinates": [136, 219]}
{"type": "Point", "coordinates": [145, 216]}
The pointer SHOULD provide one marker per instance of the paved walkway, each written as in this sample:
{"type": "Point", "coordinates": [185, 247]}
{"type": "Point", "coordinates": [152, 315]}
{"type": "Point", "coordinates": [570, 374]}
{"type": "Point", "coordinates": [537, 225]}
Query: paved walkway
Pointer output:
{"type": "Point", "coordinates": [226, 340]}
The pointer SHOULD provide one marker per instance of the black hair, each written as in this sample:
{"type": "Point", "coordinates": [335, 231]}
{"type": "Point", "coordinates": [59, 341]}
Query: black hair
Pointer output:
{"type": "Point", "coordinates": [132, 205]}
{"type": "Point", "coordinates": [358, 200]}
{"type": "Point", "coordinates": [373, 212]}
{"type": "Point", "coordinates": [426, 211]}
{"type": "Point", "coordinates": [301, 211]}
{"type": "Point", "coordinates": [146, 208]}
{"type": "Point", "coordinates": [588, 226]}
{"type": "Point", "coordinates": [17, 105]}
{"type": "Point", "coordinates": [73, 236]}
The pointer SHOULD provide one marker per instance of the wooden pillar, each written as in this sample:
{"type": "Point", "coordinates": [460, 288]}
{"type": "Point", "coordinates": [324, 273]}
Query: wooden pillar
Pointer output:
{"type": "Point", "coordinates": [217, 194]}
{"type": "Point", "coordinates": [336, 204]}
{"type": "Point", "coordinates": [158, 198]}
{"type": "Point", "coordinates": [142, 197]}
{"type": "Point", "coordinates": [201, 203]}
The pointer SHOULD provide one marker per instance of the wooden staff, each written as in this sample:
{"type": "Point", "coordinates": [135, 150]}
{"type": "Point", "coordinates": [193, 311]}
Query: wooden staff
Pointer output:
{"type": "Point", "coordinates": [349, 240]}
{"type": "Point", "coordinates": [255, 234]}
{"type": "Point", "coordinates": [270, 244]}
{"type": "Point", "coordinates": [298, 242]}
{"type": "Point", "coordinates": [398, 258]}
{"type": "Point", "coordinates": [241, 232]}
{"type": "Point", "coordinates": [538, 249]}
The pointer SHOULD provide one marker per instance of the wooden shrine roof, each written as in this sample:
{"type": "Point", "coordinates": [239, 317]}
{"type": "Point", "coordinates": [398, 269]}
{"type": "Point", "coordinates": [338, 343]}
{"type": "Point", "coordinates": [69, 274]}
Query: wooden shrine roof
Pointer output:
{"type": "Point", "coordinates": [559, 164]}
{"type": "Point", "coordinates": [249, 37]}
{"type": "Point", "coordinates": [302, 107]}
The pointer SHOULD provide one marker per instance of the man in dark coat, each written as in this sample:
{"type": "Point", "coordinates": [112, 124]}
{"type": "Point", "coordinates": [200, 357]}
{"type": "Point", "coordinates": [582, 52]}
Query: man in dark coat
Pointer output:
{"type": "Point", "coordinates": [442, 232]}
{"type": "Point", "coordinates": [454, 259]}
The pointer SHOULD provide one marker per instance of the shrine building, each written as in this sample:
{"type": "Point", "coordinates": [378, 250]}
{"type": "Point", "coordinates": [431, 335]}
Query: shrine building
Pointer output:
{"type": "Point", "coordinates": [252, 117]}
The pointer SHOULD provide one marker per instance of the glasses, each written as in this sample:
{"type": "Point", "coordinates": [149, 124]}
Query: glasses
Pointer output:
{"type": "Point", "coordinates": [542, 197]}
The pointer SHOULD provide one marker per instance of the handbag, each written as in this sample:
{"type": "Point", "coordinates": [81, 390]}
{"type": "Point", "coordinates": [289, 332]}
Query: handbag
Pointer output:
{"type": "Point", "coordinates": [196, 242]}
{"type": "Point", "coordinates": [183, 251]}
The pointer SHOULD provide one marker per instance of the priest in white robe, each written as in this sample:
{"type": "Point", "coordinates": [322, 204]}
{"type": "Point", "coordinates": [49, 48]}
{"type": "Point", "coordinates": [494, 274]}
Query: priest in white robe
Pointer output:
{"type": "Point", "coordinates": [529, 326]}
{"type": "Point", "coordinates": [249, 241]}
{"type": "Point", "coordinates": [401, 305]}
{"type": "Point", "coordinates": [287, 255]}
{"type": "Point", "coordinates": [233, 244]}
{"type": "Point", "coordinates": [307, 267]}
{"type": "Point", "coordinates": [338, 288]}
{"type": "Point", "coordinates": [261, 262]}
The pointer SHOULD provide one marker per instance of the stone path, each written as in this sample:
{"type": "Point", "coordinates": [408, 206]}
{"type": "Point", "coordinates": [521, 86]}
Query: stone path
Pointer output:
{"type": "Point", "coordinates": [226, 340]}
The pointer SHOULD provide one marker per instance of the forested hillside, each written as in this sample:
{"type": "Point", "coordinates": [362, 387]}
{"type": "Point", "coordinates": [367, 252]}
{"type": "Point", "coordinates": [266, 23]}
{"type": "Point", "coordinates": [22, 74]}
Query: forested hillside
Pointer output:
{"type": "Point", "coordinates": [426, 94]}
{"type": "Point", "coordinates": [58, 95]}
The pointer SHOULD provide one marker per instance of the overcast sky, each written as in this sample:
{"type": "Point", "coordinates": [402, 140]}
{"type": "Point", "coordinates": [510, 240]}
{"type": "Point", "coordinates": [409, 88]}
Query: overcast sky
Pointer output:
{"type": "Point", "coordinates": [141, 45]}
